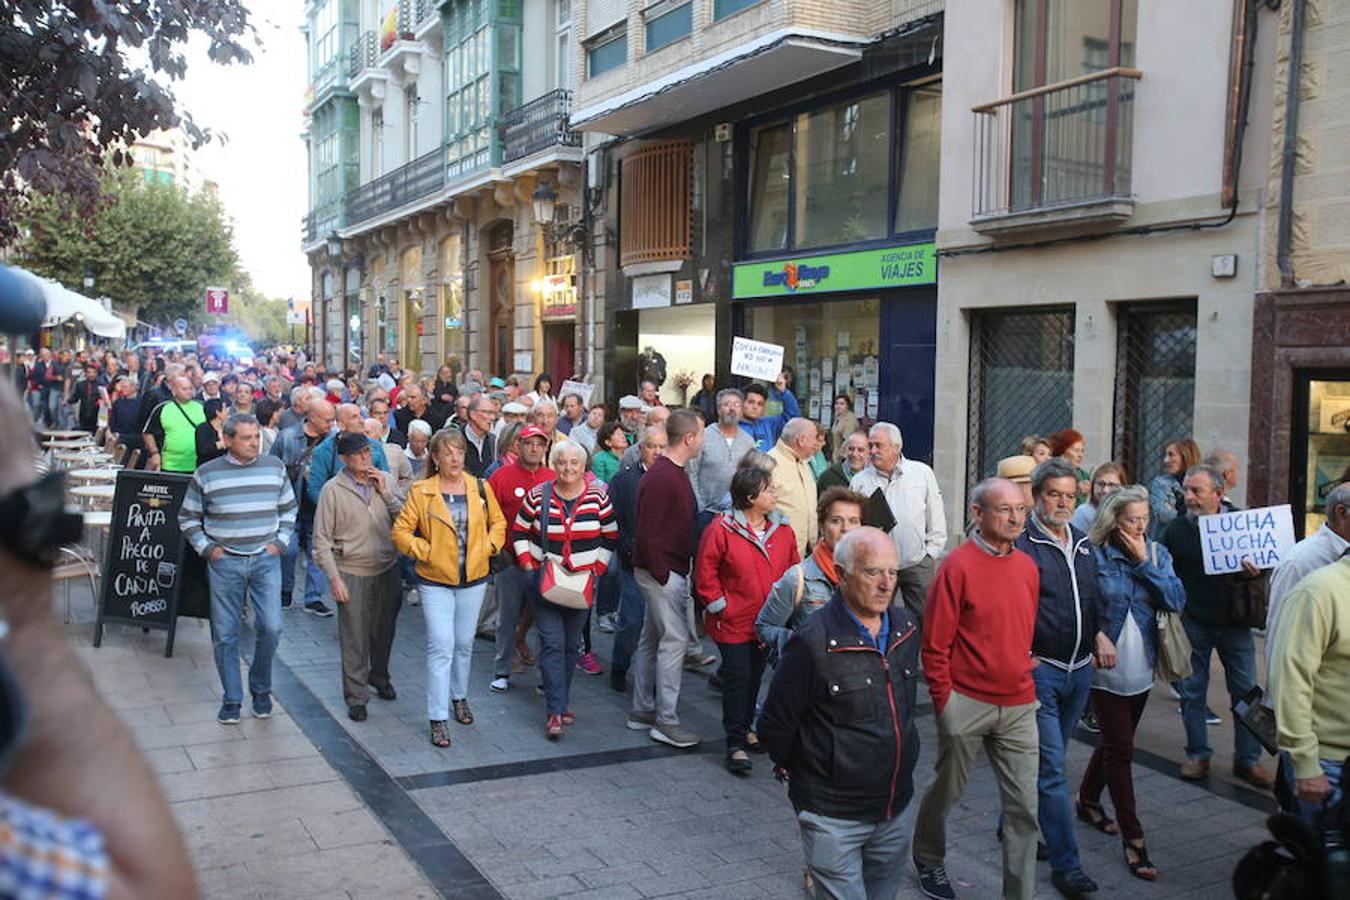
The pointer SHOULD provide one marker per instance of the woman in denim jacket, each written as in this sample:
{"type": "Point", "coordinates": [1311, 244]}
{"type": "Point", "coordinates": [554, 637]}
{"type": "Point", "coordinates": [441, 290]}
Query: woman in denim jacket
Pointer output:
{"type": "Point", "coordinates": [1136, 582]}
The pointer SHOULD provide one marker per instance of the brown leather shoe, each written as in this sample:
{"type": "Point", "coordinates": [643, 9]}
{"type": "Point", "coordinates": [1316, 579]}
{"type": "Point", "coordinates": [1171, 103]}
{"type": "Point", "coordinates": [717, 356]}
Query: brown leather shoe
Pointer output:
{"type": "Point", "coordinates": [1195, 769]}
{"type": "Point", "coordinates": [1256, 776]}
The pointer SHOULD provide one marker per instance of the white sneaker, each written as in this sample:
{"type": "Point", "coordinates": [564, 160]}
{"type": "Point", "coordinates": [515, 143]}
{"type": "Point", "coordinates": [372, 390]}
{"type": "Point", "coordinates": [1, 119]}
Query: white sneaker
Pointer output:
{"type": "Point", "coordinates": [500, 685]}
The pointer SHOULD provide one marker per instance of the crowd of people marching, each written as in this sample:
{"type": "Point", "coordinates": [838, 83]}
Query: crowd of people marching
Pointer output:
{"type": "Point", "coordinates": [502, 508]}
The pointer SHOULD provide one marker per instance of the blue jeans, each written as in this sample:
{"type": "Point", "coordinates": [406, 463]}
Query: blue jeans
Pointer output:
{"type": "Point", "coordinates": [1311, 813]}
{"type": "Point", "coordinates": [315, 581]}
{"type": "Point", "coordinates": [1063, 697]}
{"type": "Point", "coordinates": [451, 614]}
{"type": "Point", "coordinates": [559, 637]}
{"type": "Point", "coordinates": [632, 609]}
{"type": "Point", "coordinates": [232, 579]}
{"type": "Point", "coordinates": [1239, 670]}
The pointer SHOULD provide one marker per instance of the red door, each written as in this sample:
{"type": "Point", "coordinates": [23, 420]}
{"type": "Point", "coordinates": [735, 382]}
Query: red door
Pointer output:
{"type": "Point", "coordinates": [560, 352]}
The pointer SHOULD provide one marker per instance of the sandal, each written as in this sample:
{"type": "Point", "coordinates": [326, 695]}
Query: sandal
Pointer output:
{"type": "Point", "coordinates": [1094, 815]}
{"type": "Point", "coordinates": [440, 733]}
{"type": "Point", "coordinates": [754, 744]}
{"type": "Point", "coordinates": [463, 715]}
{"type": "Point", "coordinates": [1136, 857]}
{"type": "Point", "coordinates": [568, 717]}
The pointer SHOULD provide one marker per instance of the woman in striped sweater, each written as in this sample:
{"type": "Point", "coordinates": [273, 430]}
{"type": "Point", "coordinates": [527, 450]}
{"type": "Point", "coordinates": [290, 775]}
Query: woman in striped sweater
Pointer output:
{"type": "Point", "coordinates": [570, 525]}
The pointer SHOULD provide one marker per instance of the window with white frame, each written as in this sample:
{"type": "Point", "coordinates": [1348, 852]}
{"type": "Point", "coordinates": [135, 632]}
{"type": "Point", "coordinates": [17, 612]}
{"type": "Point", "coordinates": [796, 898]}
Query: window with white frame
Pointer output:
{"type": "Point", "coordinates": [562, 42]}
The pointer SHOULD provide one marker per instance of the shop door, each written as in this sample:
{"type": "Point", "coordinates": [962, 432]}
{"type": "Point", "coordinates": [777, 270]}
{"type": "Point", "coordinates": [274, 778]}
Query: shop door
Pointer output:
{"type": "Point", "coordinates": [502, 314]}
{"type": "Point", "coordinates": [560, 351]}
{"type": "Point", "coordinates": [1320, 446]}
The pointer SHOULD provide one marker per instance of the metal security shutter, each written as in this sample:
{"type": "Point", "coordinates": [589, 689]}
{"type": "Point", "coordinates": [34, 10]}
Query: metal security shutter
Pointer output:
{"type": "Point", "coordinates": [1155, 383]}
{"type": "Point", "coordinates": [1021, 381]}
{"type": "Point", "coordinates": [601, 14]}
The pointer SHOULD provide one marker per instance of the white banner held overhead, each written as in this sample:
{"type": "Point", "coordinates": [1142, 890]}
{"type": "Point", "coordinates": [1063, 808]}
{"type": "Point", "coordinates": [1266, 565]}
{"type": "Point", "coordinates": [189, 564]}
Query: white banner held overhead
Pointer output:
{"type": "Point", "coordinates": [1262, 536]}
{"type": "Point", "coordinates": [580, 388]}
{"type": "Point", "coordinates": [756, 359]}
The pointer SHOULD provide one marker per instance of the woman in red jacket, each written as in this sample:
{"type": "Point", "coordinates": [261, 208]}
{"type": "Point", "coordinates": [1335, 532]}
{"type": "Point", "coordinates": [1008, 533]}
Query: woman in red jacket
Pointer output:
{"type": "Point", "coordinates": [741, 555]}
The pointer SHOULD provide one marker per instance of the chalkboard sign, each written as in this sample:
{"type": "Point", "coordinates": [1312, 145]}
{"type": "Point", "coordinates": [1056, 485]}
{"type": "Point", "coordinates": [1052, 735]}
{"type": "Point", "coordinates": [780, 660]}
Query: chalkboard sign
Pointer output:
{"type": "Point", "coordinates": [143, 566]}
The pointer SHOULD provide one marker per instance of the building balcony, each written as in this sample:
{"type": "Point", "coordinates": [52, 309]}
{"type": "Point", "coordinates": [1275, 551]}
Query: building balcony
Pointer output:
{"type": "Point", "coordinates": [746, 49]}
{"type": "Point", "coordinates": [538, 126]}
{"type": "Point", "coordinates": [426, 19]}
{"type": "Point", "coordinates": [400, 51]}
{"type": "Point", "coordinates": [364, 75]}
{"type": "Point", "coordinates": [1057, 157]}
{"type": "Point", "coordinates": [320, 222]}
{"type": "Point", "coordinates": [407, 184]}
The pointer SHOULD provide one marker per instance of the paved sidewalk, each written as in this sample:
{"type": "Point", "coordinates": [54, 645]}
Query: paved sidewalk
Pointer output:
{"type": "Point", "coordinates": [264, 814]}
{"type": "Point", "coordinates": [375, 811]}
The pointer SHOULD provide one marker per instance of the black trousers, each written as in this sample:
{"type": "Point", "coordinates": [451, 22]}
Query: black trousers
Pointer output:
{"type": "Point", "coordinates": [742, 669]}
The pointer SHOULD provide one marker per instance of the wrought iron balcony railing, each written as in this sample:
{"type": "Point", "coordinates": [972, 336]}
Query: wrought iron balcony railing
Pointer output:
{"type": "Point", "coordinates": [1058, 145]}
{"type": "Point", "coordinates": [420, 178]}
{"type": "Point", "coordinates": [362, 54]}
{"type": "Point", "coordinates": [538, 125]}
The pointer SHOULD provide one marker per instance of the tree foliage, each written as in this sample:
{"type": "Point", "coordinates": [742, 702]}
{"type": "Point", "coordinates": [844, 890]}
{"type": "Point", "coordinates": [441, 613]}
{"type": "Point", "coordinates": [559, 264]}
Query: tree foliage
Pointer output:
{"type": "Point", "coordinates": [80, 80]}
{"type": "Point", "coordinates": [153, 248]}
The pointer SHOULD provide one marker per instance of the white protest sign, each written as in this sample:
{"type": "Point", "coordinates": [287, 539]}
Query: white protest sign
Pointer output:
{"type": "Point", "coordinates": [580, 388]}
{"type": "Point", "coordinates": [1264, 536]}
{"type": "Point", "coordinates": [756, 359]}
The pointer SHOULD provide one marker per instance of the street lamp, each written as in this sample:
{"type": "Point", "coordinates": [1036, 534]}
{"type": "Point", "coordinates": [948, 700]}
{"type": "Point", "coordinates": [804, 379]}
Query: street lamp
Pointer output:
{"type": "Point", "coordinates": [334, 242]}
{"type": "Point", "coordinates": [545, 201]}
{"type": "Point", "coordinates": [88, 279]}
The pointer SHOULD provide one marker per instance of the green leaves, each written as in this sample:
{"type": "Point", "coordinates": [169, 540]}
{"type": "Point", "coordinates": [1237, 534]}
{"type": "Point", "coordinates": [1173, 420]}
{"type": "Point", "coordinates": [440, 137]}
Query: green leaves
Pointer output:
{"type": "Point", "coordinates": [67, 95]}
{"type": "Point", "coordinates": [153, 247]}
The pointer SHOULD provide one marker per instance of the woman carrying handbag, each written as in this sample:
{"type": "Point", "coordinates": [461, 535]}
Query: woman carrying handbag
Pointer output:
{"type": "Point", "coordinates": [451, 525]}
{"type": "Point", "coordinates": [565, 532]}
{"type": "Point", "coordinates": [1137, 584]}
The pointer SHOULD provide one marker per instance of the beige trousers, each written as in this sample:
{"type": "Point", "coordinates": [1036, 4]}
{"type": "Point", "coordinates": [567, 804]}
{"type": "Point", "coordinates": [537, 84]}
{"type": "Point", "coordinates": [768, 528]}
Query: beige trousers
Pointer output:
{"type": "Point", "coordinates": [1011, 740]}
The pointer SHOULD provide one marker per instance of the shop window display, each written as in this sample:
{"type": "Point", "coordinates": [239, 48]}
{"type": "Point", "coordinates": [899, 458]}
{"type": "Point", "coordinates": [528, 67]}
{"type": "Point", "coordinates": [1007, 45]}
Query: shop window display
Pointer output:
{"type": "Point", "coordinates": [832, 348]}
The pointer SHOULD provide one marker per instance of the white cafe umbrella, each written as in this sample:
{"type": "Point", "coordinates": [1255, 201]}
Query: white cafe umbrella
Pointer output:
{"type": "Point", "coordinates": [64, 304]}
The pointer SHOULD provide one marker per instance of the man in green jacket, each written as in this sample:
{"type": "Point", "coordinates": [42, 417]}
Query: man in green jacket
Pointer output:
{"type": "Point", "coordinates": [171, 430]}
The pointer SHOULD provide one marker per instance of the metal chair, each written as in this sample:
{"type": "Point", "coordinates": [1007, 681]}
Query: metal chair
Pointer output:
{"type": "Point", "coordinates": [76, 563]}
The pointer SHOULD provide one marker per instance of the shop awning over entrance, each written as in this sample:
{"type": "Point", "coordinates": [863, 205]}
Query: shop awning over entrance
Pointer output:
{"type": "Point", "coordinates": [773, 61]}
{"type": "Point", "coordinates": [64, 304]}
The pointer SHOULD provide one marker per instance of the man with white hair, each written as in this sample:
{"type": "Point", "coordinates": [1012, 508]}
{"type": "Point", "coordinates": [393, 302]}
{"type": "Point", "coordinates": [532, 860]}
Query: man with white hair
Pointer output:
{"type": "Point", "coordinates": [911, 492]}
{"type": "Point", "coordinates": [301, 396]}
{"type": "Point", "coordinates": [545, 414]}
{"type": "Point", "coordinates": [725, 444]}
{"type": "Point", "coordinates": [850, 761]}
{"type": "Point", "coordinates": [794, 482]}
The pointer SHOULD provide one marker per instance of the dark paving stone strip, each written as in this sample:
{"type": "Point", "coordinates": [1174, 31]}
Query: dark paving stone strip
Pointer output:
{"type": "Point", "coordinates": [449, 870]}
{"type": "Point", "coordinates": [497, 772]}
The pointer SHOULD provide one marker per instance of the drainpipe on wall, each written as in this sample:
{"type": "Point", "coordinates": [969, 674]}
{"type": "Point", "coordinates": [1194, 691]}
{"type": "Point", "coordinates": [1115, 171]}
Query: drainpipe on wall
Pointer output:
{"type": "Point", "coordinates": [1287, 156]}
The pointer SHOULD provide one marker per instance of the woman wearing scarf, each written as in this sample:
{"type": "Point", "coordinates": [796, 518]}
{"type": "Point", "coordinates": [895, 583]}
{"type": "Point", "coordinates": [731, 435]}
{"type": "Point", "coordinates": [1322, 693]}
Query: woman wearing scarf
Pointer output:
{"type": "Point", "coordinates": [741, 554]}
{"type": "Point", "coordinates": [806, 587]}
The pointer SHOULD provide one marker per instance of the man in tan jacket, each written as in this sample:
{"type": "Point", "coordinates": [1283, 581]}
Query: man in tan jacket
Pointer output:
{"type": "Point", "coordinates": [353, 548]}
{"type": "Point", "coordinates": [794, 481]}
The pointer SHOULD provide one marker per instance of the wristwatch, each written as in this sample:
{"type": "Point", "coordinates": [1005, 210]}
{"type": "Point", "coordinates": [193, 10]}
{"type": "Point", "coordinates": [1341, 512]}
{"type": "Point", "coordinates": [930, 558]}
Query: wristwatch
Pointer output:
{"type": "Point", "coordinates": [34, 521]}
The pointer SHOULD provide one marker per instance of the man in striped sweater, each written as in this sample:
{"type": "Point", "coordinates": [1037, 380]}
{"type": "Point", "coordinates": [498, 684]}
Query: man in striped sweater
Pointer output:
{"type": "Point", "coordinates": [239, 513]}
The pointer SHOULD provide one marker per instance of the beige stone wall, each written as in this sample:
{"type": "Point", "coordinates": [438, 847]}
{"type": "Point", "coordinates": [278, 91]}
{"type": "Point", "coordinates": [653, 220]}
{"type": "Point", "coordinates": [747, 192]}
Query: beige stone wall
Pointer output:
{"type": "Point", "coordinates": [1320, 249]}
{"type": "Point", "coordinates": [1177, 158]}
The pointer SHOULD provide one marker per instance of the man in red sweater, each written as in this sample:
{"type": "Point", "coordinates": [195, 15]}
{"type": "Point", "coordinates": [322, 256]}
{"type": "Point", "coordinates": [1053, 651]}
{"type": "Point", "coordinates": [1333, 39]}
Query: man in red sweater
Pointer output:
{"type": "Point", "coordinates": [510, 483]}
{"type": "Point", "coordinates": [978, 626]}
{"type": "Point", "coordinates": [662, 549]}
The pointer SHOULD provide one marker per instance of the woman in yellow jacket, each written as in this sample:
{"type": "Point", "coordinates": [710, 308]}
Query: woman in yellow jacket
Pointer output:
{"type": "Point", "coordinates": [450, 525]}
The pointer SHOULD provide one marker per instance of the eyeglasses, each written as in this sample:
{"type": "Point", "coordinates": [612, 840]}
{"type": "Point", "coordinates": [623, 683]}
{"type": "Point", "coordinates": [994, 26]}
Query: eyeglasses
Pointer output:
{"type": "Point", "coordinates": [1006, 511]}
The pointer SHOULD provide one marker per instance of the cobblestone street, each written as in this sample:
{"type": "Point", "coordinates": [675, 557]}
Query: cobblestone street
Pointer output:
{"type": "Point", "coordinates": [310, 804]}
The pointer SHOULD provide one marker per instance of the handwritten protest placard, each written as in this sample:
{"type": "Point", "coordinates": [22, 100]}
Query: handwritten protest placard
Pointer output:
{"type": "Point", "coordinates": [756, 359]}
{"type": "Point", "coordinates": [580, 388]}
{"type": "Point", "coordinates": [1263, 536]}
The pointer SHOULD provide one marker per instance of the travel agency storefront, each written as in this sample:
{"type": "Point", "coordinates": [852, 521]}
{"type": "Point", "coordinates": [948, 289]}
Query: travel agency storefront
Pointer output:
{"type": "Point", "coordinates": [861, 323]}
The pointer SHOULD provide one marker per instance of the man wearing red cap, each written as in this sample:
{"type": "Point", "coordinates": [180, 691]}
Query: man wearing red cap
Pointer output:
{"type": "Point", "coordinates": [511, 483]}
